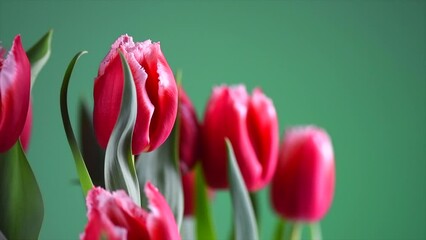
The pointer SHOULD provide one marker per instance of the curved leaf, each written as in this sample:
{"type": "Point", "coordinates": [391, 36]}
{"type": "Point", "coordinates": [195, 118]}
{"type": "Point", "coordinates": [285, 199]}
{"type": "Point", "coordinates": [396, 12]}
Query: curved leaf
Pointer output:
{"type": "Point", "coordinates": [21, 203]}
{"type": "Point", "coordinates": [120, 172]}
{"type": "Point", "coordinates": [244, 218]}
{"type": "Point", "coordinates": [38, 55]}
{"type": "Point", "coordinates": [85, 181]}
{"type": "Point", "coordinates": [161, 168]}
{"type": "Point", "coordinates": [203, 215]}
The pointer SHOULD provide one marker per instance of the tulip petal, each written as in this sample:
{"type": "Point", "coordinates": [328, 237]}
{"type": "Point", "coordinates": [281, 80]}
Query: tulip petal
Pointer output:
{"type": "Point", "coordinates": [115, 216]}
{"type": "Point", "coordinates": [162, 91]}
{"type": "Point", "coordinates": [108, 91]}
{"type": "Point", "coordinates": [15, 83]}
{"type": "Point", "coordinates": [262, 126]}
{"type": "Point", "coordinates": [160, 222]}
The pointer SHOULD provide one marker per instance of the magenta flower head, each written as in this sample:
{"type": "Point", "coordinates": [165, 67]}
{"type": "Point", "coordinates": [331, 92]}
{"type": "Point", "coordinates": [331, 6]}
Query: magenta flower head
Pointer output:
{"type": "Point", "coordinates": [189, 133]}
{"type": "Point", "coordinates": [303, 186]}
{"type": "Point", "coordinates": [15, 84]}
{"type": "Point", "coordinates": [115, 216]}
{"type": "Point", "coordinates": [250, 123]}
{"type": "Point", "coordinates": [157, 94]}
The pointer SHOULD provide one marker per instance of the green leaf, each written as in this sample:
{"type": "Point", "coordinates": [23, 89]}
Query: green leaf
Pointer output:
{"type": "Point", "coordinates": [161, 168]}
{"type": "Point", "coordinates": [93, 154]}
{"type": "Point", "coordinates": [38, 55]}
{"type": "Point", "coordinates": [244, 218]}
{"type": "Point", "coordinates": [21, 203]}
{"type": "Point", "coordinates": [85, 181]}
{"type": "Point", "coordinates": [203, 214]}
{"type": "Point", "coordinates": [120, 172]}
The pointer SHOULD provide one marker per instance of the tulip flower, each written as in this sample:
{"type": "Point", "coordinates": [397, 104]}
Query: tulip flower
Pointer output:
{"type": "Point", "coordinates": [15, 84]}
{"type": "Point", "coordinates": [250, 123]}
{"type": "Point", "coordinates": [115, 216]}
{"type": "Point", "coordinates": [156, 90]}
{"type": "Point", "coordinates": [303, 186]}
{"type": "Point", "coordinates": [189, 129]}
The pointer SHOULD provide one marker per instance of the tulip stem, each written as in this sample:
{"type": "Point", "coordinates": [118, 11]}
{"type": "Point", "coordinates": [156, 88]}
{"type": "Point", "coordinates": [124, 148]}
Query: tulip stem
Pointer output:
{"type": "Point", "coordinates": [315, 230]}
{"type": "Point", "coordinates": [295, 231]}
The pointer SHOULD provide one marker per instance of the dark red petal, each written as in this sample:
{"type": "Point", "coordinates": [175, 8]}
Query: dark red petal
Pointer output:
{"type": "Point", "coordinates": [15, 81]}
{"type": "Point", "coordinates": [189, 133]}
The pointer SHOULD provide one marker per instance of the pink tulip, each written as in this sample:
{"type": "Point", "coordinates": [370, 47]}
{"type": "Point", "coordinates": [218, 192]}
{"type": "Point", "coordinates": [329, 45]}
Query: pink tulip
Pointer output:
{"type": "Point", "coordinates": [250, 123]}
{"type": "Point", "coordinates": [303, 186]}
{"type": "Point", "coordinates": [189, 140]}
{"type": "Point", "coordinates": [15, 81]}
{"type": "Point", "coordinates": [156, 93]}
{"type": "Point", "coordinates": [115, 216]}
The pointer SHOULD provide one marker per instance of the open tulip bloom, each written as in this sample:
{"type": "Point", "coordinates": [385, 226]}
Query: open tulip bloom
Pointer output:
{"type": "Point", "coordinates": [152, 164]}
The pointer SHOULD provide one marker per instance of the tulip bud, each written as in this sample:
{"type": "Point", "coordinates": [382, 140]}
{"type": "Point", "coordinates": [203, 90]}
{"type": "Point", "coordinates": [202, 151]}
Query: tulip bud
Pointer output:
{"type": "Point", "coordinates": [250, 123]}
{"type": "Point", "coordinates": [155, 88]}
{"type": "Point", "coordinates": [116, 216]}
{"type": "Point", "coordinates": [189, 129]}
{"type": "Point", "coordinates": [303, 186]}
{"type": "Point", "coordinates": [15, 83]}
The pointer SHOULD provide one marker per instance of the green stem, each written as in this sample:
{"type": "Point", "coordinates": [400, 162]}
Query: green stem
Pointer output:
{"type": "Point", "coordinates": [315, 230]}
{"type": "Point", "coordinates": [295, 231]}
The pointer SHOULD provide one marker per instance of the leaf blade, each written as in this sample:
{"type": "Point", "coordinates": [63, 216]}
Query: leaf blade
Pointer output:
{"type": "Point", "coordinates": [83, 174]}
{"type": "Point", "coordinates": [21, 202]}
{"type": "Point", "coordinates": [38, 55]}
{"type": "Point", "coordinates": [244, 218]}
{"type": "Point", "coordinates": [120, 171]}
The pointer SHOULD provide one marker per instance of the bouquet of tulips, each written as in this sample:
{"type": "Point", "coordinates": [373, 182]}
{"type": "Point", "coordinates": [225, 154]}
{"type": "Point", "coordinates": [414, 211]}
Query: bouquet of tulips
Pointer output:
{"type": "Point", "coordinates": [148, 168]}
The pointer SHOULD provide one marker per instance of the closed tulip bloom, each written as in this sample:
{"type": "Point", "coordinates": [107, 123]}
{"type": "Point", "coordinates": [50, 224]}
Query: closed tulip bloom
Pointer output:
{"type": "Point", "coordinates": [114, 216]}
{"type": "Point", "coordinates": [156, 91]}
{"type": "Point", "coordinates": [15, 81]}
{"type": "Point", "coordinates": [250, 123]}
{"type": "Point", "coordinates": [189, 131]}
{"type": "Point", "coordinates": [303, 186]}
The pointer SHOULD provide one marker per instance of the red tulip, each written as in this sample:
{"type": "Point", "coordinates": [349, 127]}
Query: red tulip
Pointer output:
{"type": "Point", "coordinates": [189, 141]}
{"type": "Point", "coordinates": [15, 81]}
{"type": "Point", "coordinates": [115, 216]}
{"type": "Point", "coordinates": [156, 93]}
{"type": "Point", "coordinates": [303, 186]}
{"type": "Point", "coordinates": [250, 123]}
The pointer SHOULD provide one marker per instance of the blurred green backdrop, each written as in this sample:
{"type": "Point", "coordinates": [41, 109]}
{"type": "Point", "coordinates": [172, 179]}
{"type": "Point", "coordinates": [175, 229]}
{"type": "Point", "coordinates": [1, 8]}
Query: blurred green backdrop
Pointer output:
{"type": "Point", "coordinates": [356, 68]}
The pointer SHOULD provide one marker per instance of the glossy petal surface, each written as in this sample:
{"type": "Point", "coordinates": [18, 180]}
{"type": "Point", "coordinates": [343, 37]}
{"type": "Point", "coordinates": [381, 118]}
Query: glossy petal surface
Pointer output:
{"type": "Point", "coordinates": [303, 185]}
{"type": "Point", "coordinates": [15, 82]}
{"type": "Point", "coordinates": [116, 216]}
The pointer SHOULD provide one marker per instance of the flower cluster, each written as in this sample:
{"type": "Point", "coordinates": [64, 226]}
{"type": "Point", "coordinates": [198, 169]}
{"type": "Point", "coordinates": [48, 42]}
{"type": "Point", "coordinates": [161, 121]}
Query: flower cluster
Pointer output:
{"type": "Point", "coordinates": [155, 152]}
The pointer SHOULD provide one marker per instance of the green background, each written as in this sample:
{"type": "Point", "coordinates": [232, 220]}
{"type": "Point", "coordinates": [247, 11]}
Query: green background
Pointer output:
{"type": "Point", "coordinates": [355, 68]}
